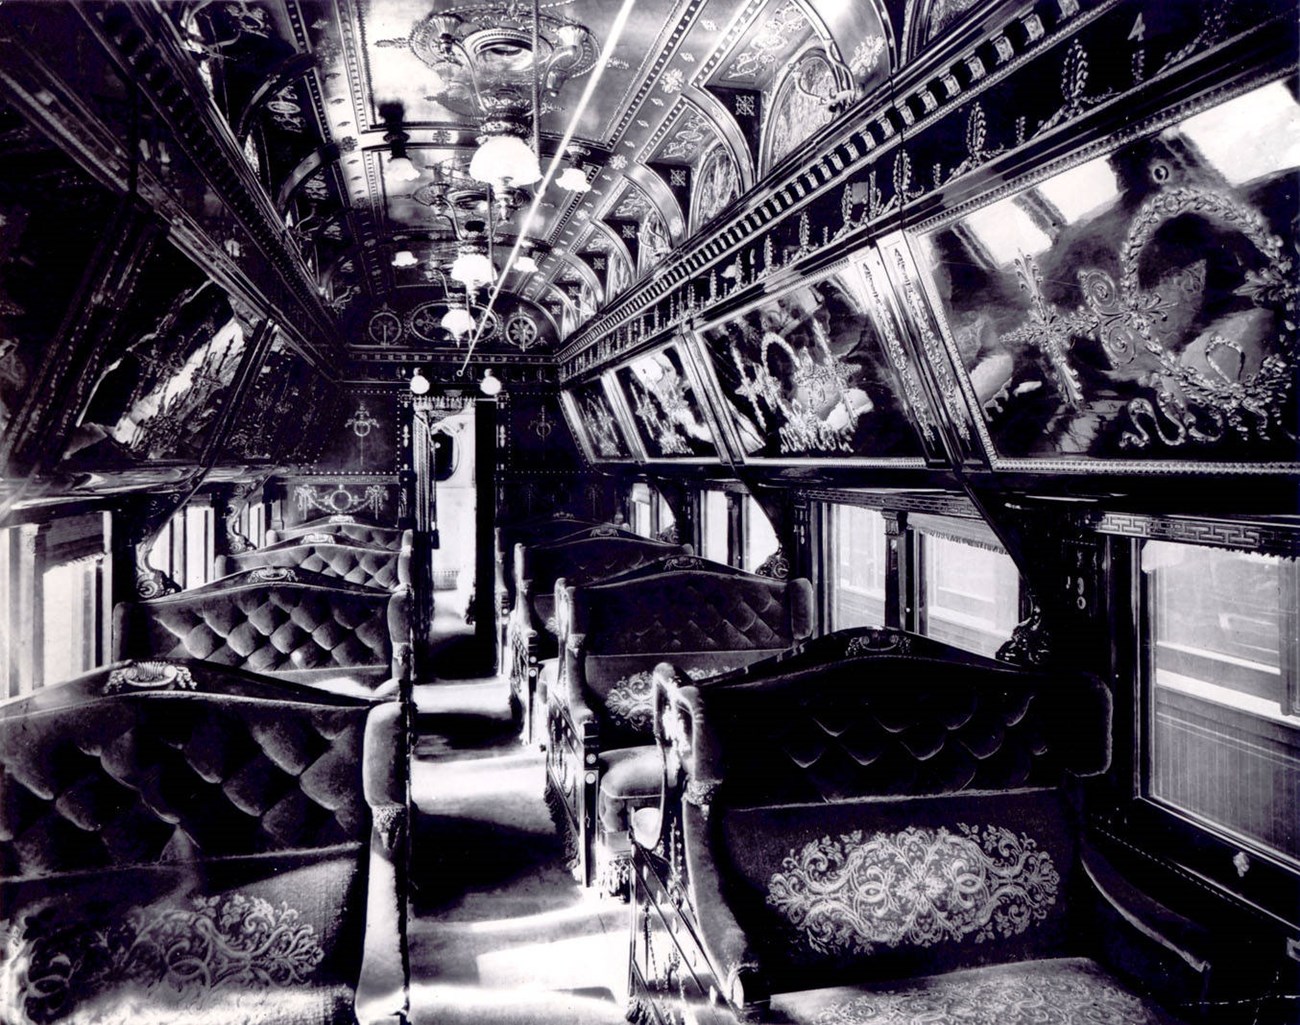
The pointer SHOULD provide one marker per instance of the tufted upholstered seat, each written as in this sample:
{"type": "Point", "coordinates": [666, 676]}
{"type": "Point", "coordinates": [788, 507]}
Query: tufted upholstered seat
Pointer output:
{"type": "Point", "coordinates": [184, 842]}
{"type": "Point", "coordinates": [344, 559]}
{"type": "Point", "coordinates": [282, 622]}
{"type": "Point", "coordinates": [345, 528]}
{"type": "Point", "coordinates": [710, 618]}
{"type": "Point", "coordinates": [862, 833]}
{"type": "Point", "coordinates": [583, 557]}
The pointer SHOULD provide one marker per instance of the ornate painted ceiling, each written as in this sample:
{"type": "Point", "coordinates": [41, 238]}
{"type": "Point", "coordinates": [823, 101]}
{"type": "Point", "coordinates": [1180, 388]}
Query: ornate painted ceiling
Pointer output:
{"type": "Point", "coordinates": [692, 103]}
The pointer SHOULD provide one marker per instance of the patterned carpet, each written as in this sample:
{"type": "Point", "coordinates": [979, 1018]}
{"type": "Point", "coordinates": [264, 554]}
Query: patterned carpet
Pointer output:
{"type": "Point", "coordinates": [500, 933]}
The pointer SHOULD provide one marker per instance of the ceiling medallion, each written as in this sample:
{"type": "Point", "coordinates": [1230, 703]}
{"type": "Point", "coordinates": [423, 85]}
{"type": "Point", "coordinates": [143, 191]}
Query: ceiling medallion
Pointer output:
{"type": "Point", "coordinates": [481, 49]}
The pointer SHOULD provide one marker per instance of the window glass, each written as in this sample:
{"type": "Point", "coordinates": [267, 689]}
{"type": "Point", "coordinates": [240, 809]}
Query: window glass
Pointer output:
{"type": "Point", "coordinates": [198, 545]}
{"type": "Point", "coordinates": [760, 538]}
{"type": "Point", "coordinates": [1221, 746]}
{"type": "Point", "coordinates": [642, 511]}
{"type": "Point", "coordinates": [715, 525]}
{"type": "Point", "coordinates": [970, 595]}
{"type": "Point", "coordinates": [71, 607]}
{"type": "Point", "coordinates": [162, 554]}
{"type": "Point", "coordinates": [666, 517]}
{"type": "Point", "coordinates": [9, 684]}
{"type": "Point", "coordinates": [855, 570]}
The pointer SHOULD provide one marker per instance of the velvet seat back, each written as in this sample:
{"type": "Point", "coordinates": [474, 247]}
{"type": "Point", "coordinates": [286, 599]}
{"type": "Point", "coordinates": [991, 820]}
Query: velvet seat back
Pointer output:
{"type": "Point", "coordinates": [330, 556]}
{"type": "Point", "coordinates": [180, 839]}
{"type": "Point", "coordinates": [583, 557]}
{"type": "Point", "coordinates": [284, 622]}
{"type": "Point", "coordinates": [706, 617]}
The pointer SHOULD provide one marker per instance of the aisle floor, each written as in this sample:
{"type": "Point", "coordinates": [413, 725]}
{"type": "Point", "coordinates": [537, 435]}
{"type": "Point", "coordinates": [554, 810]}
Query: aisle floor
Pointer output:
{"type": "Point", "coordinates": [499, 930]}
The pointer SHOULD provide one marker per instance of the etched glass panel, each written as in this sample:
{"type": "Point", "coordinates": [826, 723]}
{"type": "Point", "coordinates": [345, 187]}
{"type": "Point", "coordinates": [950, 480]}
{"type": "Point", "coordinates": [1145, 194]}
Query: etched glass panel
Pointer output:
{"type": "Point", "coordinates": [805, 375]}
{"type": "Point", "coordinates": [1142, 304]}
{"type": "Point", "coordinates": [666, 407]}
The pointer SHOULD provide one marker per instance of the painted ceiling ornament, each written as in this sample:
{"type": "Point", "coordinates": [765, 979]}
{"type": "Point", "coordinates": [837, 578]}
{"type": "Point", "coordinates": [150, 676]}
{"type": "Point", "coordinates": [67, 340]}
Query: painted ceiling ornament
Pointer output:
{"type": "Point", "coordinates": [687, 136]}
{"type": "Point", "coordinates": [766, 45]}
{"type": "Point", "coordinates": [916, 887]}
{"type": "Point", "coordinates": [339, 499]}
{"type": "Point", "coordinates": [671, 80]}
{"type": "Point", "coordinates": [801, 106]}
{"type": "Point", "coordinates": [479, 49]}
{"type": "Point", "coordinates": [866, 55]}
{"type": "Point", "coordinates": [717, 185]}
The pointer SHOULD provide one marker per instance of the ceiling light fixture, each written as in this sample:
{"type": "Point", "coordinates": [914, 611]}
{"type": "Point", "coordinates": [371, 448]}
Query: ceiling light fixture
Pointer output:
{"type": "Point", "coordinates": [526, 265]}
{"type": "Point", "coordinates": [471, 267]}
{"type": "Point", "coordinates": [490, 385]}
{"type": "Point", "coordinates": [606, 54]}
{"type": "Point", "coordinates": [574, 180]}
{"type": "Point", "coordinates": [503, 158]}
{"type": "Point", "coordinates": [404, 258]}
{"type": "Point", "coordinates": [458, 322]}
{"type": "Point", "coordinates": [400, 166]}
{"type": "Point", "coordinates": [419, 383]}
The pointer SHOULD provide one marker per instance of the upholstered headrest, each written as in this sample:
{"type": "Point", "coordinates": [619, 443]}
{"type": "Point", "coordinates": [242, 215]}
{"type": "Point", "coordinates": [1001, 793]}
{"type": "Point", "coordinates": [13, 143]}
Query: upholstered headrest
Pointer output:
{"type": "Point", "coordinates": [138, 764]}
{"type": "Point", "coordinates": [701, 608]}
{"type": "Point", "coordinates": [589, 555]}
{"type": "Point", "coordinates": [343, 559]}
{"type": "Point", "coordinates": [345, 528]}
{"type": "Point", "coordinates": [267, 626]}
{"type": "Point", "coordinates": [891, 725]}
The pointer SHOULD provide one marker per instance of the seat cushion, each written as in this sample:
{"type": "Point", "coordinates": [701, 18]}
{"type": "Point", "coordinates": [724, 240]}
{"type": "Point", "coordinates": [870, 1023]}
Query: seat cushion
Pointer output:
{"type": "Point", "coordinates": [631, 778]}
{"type": "Point", "coordinates": [1061, 991]}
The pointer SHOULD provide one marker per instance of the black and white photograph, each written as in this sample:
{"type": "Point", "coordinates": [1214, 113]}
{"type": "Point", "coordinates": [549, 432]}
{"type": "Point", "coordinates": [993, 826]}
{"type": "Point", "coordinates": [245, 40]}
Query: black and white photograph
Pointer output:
{"type": "Point", "coordinates": [650, 512]}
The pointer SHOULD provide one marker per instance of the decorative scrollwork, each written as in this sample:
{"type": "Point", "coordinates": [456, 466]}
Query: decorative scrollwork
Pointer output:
{"type": "Point", "coordinates": [918, 886]}
{"type": "Point", "coordinates": [150, 675]}
{"type": "Point", "coordinates": [222, 944]}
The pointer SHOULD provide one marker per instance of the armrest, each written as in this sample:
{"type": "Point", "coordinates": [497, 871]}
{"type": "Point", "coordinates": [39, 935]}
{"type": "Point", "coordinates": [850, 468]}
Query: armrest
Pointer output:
{"type": "Point", "coordinates": [383, 984]}
{"type": "Point", "coordinates": [1191, 942]}
{"type": "Point", "coordinates": [734, 962]}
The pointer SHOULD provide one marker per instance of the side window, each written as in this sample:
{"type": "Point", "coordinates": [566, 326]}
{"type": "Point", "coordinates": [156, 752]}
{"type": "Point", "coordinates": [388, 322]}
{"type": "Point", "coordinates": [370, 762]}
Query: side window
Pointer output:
{"type": "Point", "coordinates": [642, 508]}
{"type": "Point", "coordinates": [969, 596]}
{"type": "Point", "coordinates": [716, 515]}
{"type": "Point", "coordinates": [55, 588]}
{"type": "Point", "coordinates": [855, 565]}
{"type": "Point", "coordinates": [1219, 678]}
{"type": "Point", "coordinates": [759, 538]}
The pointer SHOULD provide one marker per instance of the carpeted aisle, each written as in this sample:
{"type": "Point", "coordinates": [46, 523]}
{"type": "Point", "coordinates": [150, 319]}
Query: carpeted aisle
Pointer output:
{"type": "Point", "coordinates": [499, 931]}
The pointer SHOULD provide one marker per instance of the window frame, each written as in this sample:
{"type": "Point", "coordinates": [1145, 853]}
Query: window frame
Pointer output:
{"type": "Point", "coordinates": [1168, 838]}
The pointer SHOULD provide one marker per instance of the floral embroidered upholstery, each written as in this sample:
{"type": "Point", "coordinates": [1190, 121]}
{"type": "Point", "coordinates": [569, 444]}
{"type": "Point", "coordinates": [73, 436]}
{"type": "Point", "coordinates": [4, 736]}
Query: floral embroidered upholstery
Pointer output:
{"type": "Point", "coordinates": [212, 847]}
{"type": "Point", "coordinates": [314, 629]}
{"type": "Point", "coordinates": [1059, 991]}
{"type": "Point", "coordinates": [630, 702]}
{"type": "Point", "coordinates": [917, 886]}
{"type": "Point", "coordinates": [343, 559]}
{"type": "Point", "coordinates": [345, 530]}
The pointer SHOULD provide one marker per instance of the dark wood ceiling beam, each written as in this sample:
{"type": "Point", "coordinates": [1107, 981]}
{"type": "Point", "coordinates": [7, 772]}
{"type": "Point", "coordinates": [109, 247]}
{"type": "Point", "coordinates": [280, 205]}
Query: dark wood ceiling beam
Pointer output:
{"type": "Point", "coordinates": [144, 44]}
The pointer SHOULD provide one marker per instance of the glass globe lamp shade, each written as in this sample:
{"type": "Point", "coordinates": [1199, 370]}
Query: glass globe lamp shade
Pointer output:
{"type": "Point", "coordinates": [490, 385]}
{"type": "Point", "coordinates": [573, 180]}
{"type": "Point", "coordinates": [419, 383]}
{"type": "Point", "coordinates": [526, 265]}
{"type": "Point", "coordinates": [505, 160]}
{"type": "Point", "coordinates": [401, 169]}
{"type": "Point", "coordinates": [457, 322]}
{"type": "Point", "coordinates": [404, 258]}
{"type": "Point", "coordinates": [472, 270]}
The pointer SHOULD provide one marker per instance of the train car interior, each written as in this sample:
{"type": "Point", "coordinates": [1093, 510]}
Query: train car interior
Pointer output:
{"type": "Point", "coordinates": [678, 512]}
